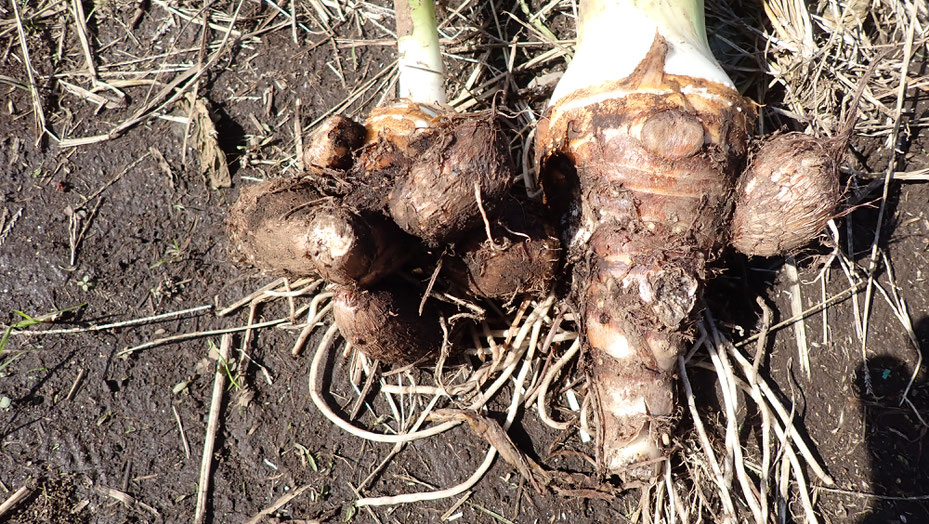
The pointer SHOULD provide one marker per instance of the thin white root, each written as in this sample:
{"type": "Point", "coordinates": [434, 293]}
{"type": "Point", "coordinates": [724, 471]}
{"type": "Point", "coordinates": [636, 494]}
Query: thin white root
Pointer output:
{"type": "Point", "coordinates": [408, 498]}
{"type": "Point", "coordinates": [323, 407]}
{"type": "Point", "coordinates": [721, 484]}
{"type": "Point", "coordinates": [730, 399]}
{"type": "Point", "coordinates": [541, 405]}
{"type": "Point", "coordinates": [491, 453]}
{"type": "Point", "coordinates": [772, 399]}
{"type": "Point", "coordinates": [534, 320]}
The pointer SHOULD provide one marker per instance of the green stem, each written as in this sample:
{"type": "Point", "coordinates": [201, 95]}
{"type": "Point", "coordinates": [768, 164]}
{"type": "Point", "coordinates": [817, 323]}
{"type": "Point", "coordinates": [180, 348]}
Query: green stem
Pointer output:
{"type": "Point", "coordinates": [422, 73]}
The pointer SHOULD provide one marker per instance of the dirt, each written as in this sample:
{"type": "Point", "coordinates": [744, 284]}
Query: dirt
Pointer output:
{"type": "Point", "coordinates": [101, 438]}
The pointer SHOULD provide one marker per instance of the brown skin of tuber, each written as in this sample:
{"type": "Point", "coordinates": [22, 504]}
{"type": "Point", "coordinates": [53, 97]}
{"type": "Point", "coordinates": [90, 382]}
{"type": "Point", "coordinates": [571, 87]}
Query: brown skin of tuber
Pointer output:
{"type": "Point", "coordinates": [384, 323]}
{"type": "Point", "coordinates": [523, 258]}
{"type": "Point", "coordinates": [791, 188]}
{"type": "Point", "coordinates": [399, 123]}
{"type": "Point", "coordinates": [648, 172]}
{"type": "Point", "coordinates": [332, 143]}
{"type": "Point", "coordinates": [347, 248]}
{"type": "Point", "coordinates": [269, 226]}
{"type": "Point", "coordinates": [786, 196]}
{"type": "Point", "coordinates": [460, 158]}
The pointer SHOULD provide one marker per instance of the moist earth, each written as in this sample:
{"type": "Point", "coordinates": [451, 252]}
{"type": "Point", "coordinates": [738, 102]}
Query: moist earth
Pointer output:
{"type": "Point", "coordinates": [128, 228]}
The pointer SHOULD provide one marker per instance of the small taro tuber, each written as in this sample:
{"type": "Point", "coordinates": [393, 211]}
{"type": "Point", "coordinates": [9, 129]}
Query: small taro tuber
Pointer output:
{"type": "Point", "coordinates": [461, 170]}
{"type": "Point", "coordinates": [786, 196]}
{"type": "Point", "coordinates": [384, 323]}
{"type": "Point", "coordinates": [347, 248]}
{"type": "Point", "coordinates": [520, 258]}
{"type": "Point", "coordinates": [269, 225]}
{"type": "Point", "coordinates": [332, 143]}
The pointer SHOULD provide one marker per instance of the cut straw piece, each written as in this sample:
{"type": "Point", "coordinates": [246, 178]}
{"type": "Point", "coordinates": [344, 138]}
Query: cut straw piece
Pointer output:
{"type": "Point", "coordinates": [206, 463]}
{"type": "Point", "coordinates": [796, 310]}
{"type": "Point", "coordinates": [38, 112]}
{"type": "Point", "coordinates": [13, 500]}
{"type": "Point", "coordinates": [278, 504]}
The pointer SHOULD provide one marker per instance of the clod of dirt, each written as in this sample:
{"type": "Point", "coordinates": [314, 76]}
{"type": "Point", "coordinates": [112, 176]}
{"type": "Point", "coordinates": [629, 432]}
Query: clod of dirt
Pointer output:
{"type": "Point", "coordinates": [269, 226]}
{"type": "Point", "coordinates": [347, 248]}
{"type": "Point", "coordinates": [522, 256]}
{"type": "Point", "coordinates": [786, 196]}
{"type": "Point", "coordinates": [332, 144]}
{"type": "Point", "coordinates": [384, 323]}
{"type": "Point", "coordinates": [463, 171]}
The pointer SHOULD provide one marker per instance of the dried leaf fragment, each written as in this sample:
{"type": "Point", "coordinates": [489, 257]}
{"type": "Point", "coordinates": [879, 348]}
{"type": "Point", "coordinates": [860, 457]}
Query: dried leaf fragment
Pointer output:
{"type": "Point", "coordinates": [213, 163]}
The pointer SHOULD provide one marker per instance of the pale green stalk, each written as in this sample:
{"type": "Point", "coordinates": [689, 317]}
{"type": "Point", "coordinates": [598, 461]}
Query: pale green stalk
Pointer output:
{"type": "Point", "coordinates": [422, 74]}
{"type": "Point", "coordinates": [615, 35]}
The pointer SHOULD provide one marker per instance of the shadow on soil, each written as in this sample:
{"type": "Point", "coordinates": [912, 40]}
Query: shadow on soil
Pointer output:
{"type": "Point", "coordinates": [896, 435]}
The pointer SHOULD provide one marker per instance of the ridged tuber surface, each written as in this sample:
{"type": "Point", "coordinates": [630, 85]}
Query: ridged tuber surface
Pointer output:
{"type": "Point", "coordinates": [384, 323]}
{"type": "Point", "coordinates": [786, 196]}
{"type": "Point", "coordinates": [399, 123]}
{"type": "Point", "coordinates": [648, 169]}
{"type": "Point", "coordinates": [461, 165]}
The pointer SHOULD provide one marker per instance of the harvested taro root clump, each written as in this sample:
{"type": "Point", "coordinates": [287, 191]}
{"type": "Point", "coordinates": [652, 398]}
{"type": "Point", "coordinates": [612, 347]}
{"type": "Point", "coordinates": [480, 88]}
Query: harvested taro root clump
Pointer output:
{"type": "Point", "coordinates": [413, 180]}
{"type": "Point", "coordinates": [423, 179]}
{"type": "Point", "coordinates": [640, 156]}
{"type": "Point", "coordinates": [649, 173]}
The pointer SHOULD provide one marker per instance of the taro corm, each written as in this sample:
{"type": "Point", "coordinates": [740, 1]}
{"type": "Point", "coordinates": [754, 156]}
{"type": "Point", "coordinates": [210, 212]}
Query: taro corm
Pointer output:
{"type": "Point", "coordinates": [639, 154]}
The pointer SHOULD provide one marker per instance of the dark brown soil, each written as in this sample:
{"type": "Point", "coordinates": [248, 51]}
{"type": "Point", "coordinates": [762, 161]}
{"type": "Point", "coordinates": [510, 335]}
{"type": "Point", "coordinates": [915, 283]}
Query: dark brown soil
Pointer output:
{"type": "Point", "coordinates": [82, 421]}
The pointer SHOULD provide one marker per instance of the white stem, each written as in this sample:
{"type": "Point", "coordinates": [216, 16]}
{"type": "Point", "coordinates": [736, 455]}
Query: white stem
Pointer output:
{"type": "Point", "coordinates": [615, 35]}
{"type": "Point", "coordinates": [422, 74]}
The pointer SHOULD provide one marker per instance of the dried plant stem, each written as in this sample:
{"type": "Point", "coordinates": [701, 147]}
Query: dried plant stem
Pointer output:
{"type": "Point", "coordinates": [718, 477]}
{"type": "Point", "coordinates": [206, 463]}
{"type": "Point", "coordinates": [13, 500]}
{"type": "Point", "coordinates": [117, 325]}
{"type": "Point", "coordinates": [873, 258]}
{"type": "Point", "coordinates": [37, 110]}
{"type": "Point", "coordinates": [278, 504]}
{"type": "Point", "coordinates": [796, 309]}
